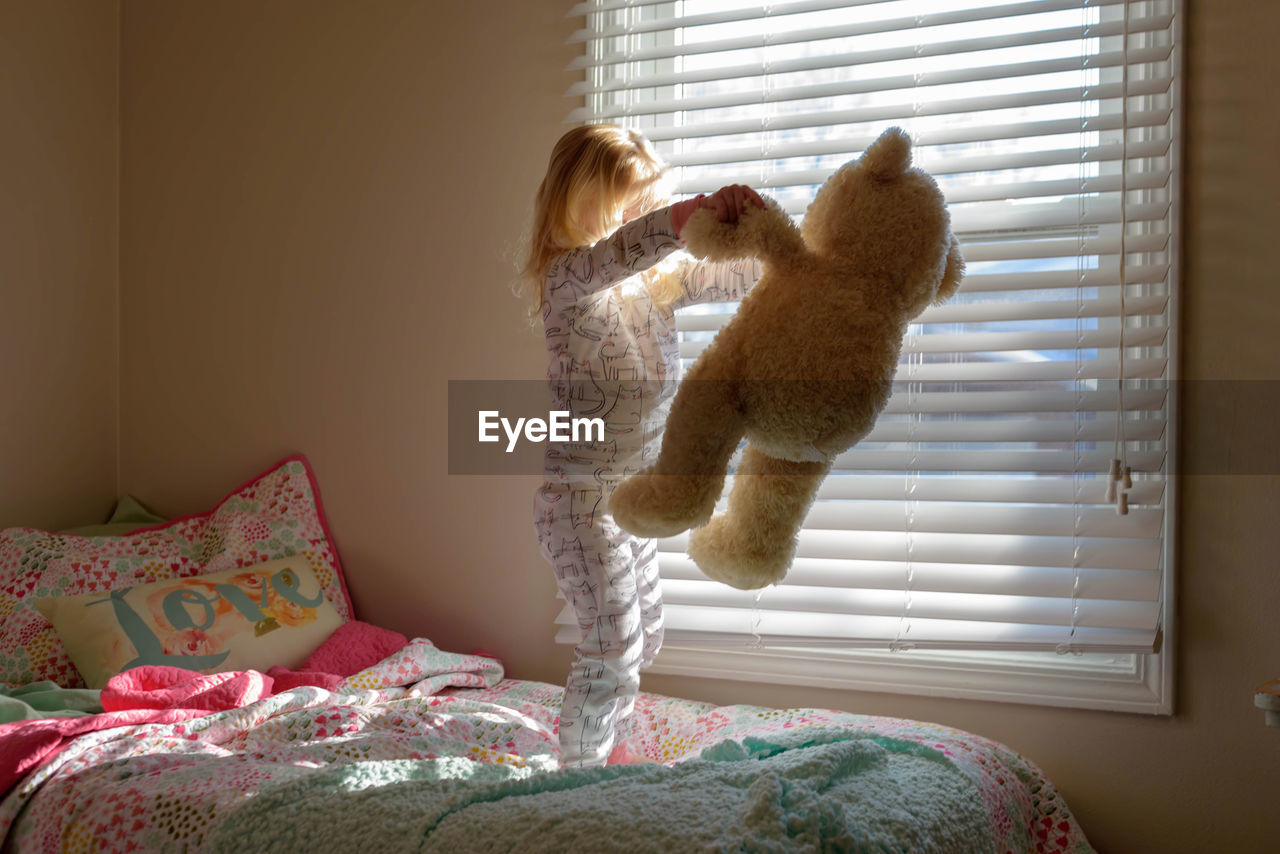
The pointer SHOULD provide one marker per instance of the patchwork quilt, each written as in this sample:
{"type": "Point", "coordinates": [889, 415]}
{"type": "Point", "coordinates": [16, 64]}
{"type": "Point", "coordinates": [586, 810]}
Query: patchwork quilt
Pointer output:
{"type": "Point", "coordinates": [435, 751]}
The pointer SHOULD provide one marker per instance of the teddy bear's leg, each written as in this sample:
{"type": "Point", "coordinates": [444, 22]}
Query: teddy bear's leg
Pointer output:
{"type": "Point", "coordinates": [680, 489]}
{"type": "Point", "coordinates": [752, 545]}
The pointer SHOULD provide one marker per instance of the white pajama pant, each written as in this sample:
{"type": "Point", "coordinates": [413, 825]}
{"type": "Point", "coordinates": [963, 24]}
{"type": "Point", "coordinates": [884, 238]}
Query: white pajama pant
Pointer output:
{"type": "Point", "coordinates": [610, 580]}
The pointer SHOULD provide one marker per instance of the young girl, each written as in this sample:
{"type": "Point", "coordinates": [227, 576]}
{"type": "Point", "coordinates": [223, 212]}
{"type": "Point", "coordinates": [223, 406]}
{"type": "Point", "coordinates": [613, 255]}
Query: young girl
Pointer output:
{"type": "Point", "coordinates": [602, 275]}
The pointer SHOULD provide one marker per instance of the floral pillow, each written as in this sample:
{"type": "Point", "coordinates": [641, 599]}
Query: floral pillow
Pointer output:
{"type": "Point", "coordinates": [241, 619]}
{"type": "Point", "coordinates": [277, 514]}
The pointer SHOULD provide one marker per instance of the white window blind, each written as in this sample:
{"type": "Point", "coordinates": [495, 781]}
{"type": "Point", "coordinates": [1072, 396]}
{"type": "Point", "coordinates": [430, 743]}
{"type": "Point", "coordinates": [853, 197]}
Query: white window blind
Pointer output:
{"type": "Point", "coordinates": [975, 515]}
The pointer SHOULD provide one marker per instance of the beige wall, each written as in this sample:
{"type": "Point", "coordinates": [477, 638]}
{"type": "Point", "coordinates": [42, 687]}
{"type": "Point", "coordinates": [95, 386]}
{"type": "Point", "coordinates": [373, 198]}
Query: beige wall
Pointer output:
{"type": "Point", "coordinates": [315, 203]}
{"type": "Point", "coordinates": [58, 219]}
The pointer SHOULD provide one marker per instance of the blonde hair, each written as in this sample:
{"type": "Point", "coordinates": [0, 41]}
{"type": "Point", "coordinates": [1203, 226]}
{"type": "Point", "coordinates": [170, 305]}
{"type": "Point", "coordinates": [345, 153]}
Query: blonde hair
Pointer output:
{"type": "Point", "coordinates": [596, 171]}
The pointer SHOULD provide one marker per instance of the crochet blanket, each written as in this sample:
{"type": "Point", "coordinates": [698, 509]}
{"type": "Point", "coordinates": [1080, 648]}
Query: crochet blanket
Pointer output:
{"type": "Point", "coordinates": [818, 789]}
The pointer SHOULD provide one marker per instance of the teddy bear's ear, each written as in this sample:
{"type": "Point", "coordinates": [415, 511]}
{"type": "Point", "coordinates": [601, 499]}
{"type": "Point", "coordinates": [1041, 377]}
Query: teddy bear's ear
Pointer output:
{"type": "Point", "coordinates": [890, 155]}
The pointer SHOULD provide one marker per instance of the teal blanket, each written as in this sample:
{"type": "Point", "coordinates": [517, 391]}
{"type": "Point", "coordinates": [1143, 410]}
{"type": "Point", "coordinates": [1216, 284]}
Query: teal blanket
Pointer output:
{"type": "Point", "coordinates": [46, 700]}
{"type": "Point", "coordinates": [813, 789]}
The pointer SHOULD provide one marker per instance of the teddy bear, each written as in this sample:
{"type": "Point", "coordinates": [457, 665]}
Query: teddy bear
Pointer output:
{"type": "Point", "coordinates": [805, 365]}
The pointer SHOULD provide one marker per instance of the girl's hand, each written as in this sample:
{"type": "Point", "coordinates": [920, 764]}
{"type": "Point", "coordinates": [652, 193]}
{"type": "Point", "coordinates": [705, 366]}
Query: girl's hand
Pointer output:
{"type": "Point", "coordinates": [729, 202]}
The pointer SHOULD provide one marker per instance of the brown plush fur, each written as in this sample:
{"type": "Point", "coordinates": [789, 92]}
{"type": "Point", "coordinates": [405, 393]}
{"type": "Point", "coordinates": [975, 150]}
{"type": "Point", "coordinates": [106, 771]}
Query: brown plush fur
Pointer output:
{"type": "Point", "coordinates": [805, 366]}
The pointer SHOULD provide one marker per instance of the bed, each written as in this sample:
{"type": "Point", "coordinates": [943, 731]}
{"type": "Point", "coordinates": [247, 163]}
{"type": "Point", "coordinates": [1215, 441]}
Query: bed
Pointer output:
{"type": "Point", "coordinates": [423, 749]}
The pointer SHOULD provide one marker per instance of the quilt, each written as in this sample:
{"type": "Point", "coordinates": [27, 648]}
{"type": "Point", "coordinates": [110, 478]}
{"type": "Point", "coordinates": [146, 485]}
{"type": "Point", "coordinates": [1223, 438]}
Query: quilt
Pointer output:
{"type": "Point", "coordinates": [435, 751]}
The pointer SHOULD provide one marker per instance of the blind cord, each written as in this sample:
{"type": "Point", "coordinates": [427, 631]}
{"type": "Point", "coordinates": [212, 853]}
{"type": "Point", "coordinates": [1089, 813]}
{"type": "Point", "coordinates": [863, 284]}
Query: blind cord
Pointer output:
{"type": "Point", "coordinates": [1120, 478]}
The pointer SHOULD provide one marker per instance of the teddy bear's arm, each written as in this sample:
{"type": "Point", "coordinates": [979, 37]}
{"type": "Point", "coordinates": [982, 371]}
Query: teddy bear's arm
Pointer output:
{"type": "Point", "coordinates": [633, 248]}
{"type": "Point", "coordinates": [766, 233]}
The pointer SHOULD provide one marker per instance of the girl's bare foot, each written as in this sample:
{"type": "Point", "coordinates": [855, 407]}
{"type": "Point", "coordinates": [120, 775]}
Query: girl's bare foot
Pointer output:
{"type": "Point", "coordinates": [622, 755]}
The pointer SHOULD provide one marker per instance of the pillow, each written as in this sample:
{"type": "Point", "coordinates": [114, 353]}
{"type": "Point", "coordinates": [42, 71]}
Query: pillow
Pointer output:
{"type": "Point", "coordinates": [253, 618]}
{"type": "Point", "coordinates": [128, 517]}
{"type": "Point", "coordinates": [277, 514]}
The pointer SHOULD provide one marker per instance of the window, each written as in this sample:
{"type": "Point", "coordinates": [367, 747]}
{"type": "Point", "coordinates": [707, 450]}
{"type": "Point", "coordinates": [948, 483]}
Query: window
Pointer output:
{"type": "Point", "coordinates": [967, 547]}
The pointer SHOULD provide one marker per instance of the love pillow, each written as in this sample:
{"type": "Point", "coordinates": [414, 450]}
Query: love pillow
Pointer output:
{"type": "Point", "coordinates": [253, 618]}
{"type": "Point", "coordinates": [275, 515]}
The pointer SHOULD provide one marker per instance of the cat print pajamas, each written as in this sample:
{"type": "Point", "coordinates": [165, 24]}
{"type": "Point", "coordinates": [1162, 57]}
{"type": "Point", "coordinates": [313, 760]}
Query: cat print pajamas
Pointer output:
{"type": "Point", "coordinates": [614, 356]}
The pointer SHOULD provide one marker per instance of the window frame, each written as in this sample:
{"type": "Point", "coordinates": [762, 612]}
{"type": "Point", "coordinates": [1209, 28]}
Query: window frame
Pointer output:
{"type": "Point", "coordinates": [1136, 683]}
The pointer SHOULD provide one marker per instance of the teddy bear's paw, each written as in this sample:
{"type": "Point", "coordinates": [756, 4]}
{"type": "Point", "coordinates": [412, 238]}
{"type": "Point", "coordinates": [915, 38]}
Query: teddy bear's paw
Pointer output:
{"type": "Point", "coordinates": [736, 558]}
{"type": "Point", "coordinates": [663, 505]}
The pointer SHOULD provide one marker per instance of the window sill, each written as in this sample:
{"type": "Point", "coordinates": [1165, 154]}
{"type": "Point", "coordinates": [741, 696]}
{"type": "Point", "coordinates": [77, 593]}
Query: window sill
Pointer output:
{"type": "Point", "coordinates": [1140, 684]}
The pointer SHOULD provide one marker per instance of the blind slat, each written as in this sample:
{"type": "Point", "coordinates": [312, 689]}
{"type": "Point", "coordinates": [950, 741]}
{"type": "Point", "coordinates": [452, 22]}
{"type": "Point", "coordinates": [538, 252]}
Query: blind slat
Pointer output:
{"type": "Point", "coordinates": [1024, 400]}
{"type": "Point", "coordinates": [1030, 95]}
{"type": "Point", "coordinates": [700, 154]}
{"type": "Point", "coordinates": [958, 165]}
{"type": "Point", "coordinates": [984, 312]}
{"type": "Point", "coordinates": [725, 625]}
{"type": "Point", "coordinates": [745, 13]}
{"type": "Point", "coordinates": [985, 372]}
{"type": "Point", "coordinates": [1061, 187]}
{"type": "Point", "coordinates": [709, 625]}
{"type": "Point", "coordinates": [1136, 585]}
{"type": "Point", "coordinates": [976, 219]}
{"type": "Point", "coordinates": [969, 548]}
{"type": "Point", "coordinates": [970, 518]}
{"type": "Point", "coordinates": [1041, 489]}
{"type": "Point", "coordinates": [823, 118]}
{"type": "Point", "coordinates": [986, 342]}
{"type": "Point", "coordinates": [1135, 274]}
{"type": "Point", "coordinates": [987, 312]}
{"type": "Point", "coordinates": [765, 94]}
{"type": "Point", "coordinates": [923, 604]}
{"type": "Point", "coordinates": [778, 36]}
{"type": "Point", "coordinates": [1008, 430]}
{"type": "Point", "coordinates": [992, 460]}
{"type": "Point", "coordinates": [1002, 41]}
{"type": "Point", "coordinates": [1061, 248]}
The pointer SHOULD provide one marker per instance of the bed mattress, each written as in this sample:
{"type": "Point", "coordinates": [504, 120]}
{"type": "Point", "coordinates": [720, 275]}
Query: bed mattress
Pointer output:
{"type": "Point", "coordinates": [436, 751]}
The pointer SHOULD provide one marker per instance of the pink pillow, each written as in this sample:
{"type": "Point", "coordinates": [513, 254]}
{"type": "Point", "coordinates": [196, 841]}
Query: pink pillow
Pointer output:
{"type": "Point", "coordinates": [275, 515]}
{"type": "Point", "coordinates": [353, 647]}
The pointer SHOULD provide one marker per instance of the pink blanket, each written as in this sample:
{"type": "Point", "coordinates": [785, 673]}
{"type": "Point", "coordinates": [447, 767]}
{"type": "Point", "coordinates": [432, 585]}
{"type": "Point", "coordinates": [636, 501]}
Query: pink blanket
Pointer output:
{"type": "Point", "coordinates": [162, 695]}
{"type": "Point", "coordinates": [144, 695]}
